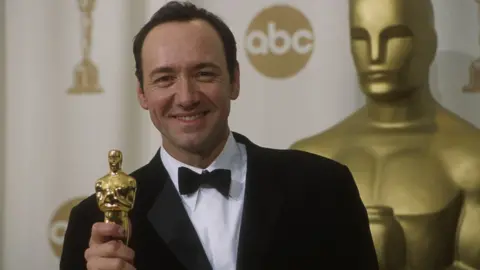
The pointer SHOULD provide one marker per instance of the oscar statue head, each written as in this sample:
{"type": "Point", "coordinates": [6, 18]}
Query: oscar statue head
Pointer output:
{"type": "Point", "coordinates": [115, 159]}
{"type": "Point", "coordinates": [393, 43]}
{"type": "Point", "coordinates": [116, 190]}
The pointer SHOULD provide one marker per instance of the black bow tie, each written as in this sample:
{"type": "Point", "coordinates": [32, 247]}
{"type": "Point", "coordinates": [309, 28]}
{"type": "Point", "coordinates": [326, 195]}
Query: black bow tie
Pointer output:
{"type": "Point", "coordinates": [190, 181]}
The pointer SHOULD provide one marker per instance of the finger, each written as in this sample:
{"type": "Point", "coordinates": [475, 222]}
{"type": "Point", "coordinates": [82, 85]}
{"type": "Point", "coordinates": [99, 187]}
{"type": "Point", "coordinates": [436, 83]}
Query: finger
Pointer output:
{"type": "Point", "coordinates": [104, 232]}
{"type": "Point", "coordinates": [99, 263]}
{"type": "Point", "coordinates": [111, 249]}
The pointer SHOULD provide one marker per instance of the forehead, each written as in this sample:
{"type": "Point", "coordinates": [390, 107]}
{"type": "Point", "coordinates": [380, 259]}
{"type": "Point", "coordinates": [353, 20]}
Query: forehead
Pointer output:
{"type": "Point", "coordinates": [377, 13]}
{"type": "Point", "coordinates": [182, 43]}
{"type": "Point", "coordinates": [114, 155]}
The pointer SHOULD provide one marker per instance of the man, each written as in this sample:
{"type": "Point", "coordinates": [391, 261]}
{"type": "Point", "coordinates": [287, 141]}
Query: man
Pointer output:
{"type": "Point", "coordinates": [271, 209]}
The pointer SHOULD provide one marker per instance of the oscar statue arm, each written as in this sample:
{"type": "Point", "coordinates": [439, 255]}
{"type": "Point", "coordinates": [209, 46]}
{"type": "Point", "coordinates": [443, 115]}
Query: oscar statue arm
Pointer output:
{"type": "Point", "coordinates": [466, 172]}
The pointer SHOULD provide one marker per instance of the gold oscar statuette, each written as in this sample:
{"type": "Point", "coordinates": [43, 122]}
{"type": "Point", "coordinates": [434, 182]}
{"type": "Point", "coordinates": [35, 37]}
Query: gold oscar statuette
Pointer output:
{"type": "Point", "coordinates": [86, 74]}
{"type": "Point", "coordinates": [473, 85]}
{"type": "Point", "coordinates": [115, 193]}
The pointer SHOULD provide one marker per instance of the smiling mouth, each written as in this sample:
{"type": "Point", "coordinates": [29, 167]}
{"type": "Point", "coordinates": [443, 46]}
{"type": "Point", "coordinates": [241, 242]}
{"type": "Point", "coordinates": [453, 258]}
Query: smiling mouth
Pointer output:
{"type": "Point", "coordinates": [190, 117]}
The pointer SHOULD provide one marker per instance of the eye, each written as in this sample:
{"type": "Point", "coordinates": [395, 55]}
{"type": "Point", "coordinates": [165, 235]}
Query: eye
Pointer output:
{"type": "Point", "coordinates": [164, 80]}
{"type": "Point", "coordinates": [357, 33]}
{"type": "Point", "coordinates": [397, 31]}
{"type": "Point", "coordinates": [206, 76]}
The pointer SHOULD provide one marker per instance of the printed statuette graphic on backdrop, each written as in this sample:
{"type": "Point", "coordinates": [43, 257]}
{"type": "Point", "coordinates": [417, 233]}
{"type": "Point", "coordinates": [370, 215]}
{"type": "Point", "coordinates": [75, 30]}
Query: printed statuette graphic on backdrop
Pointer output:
{"type": "Point", "coordinates": [115, 193]}
{"type": "Point", "coordinates": [416, 163]}
{"type": "Point", "coordinates": [58, 224]}
{"type": "Point", "coordinates": [473, 85]}
{"type": "Point", "coordinates": [279, 41]}
{"type": "Point", "coordinates": [86, 78]}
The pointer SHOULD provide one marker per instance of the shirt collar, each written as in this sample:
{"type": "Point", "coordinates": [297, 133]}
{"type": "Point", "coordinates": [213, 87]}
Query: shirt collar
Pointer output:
{"type": "Point", "coordinates": [230, 158]}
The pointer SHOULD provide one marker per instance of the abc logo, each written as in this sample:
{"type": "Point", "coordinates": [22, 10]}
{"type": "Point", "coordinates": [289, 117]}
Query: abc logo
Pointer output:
{"type": "Point", "coordinates": [58, 225]}
{"type": "Point", "coordinates": [279, 41]}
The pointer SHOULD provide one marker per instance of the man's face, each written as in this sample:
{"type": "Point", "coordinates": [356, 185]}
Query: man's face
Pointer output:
{"type": "Point", "coordinates": [187, 88]}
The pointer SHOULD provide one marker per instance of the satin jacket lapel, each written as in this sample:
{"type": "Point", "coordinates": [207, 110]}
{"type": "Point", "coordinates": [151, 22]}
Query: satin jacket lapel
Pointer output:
{"type": "Point", "coordinates": [264, 197]}
{"type": "Point", "coordinates": [171, 222]}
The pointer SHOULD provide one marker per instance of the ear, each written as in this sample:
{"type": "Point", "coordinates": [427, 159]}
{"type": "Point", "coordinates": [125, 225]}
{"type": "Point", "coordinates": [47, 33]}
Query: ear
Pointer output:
{"type": "Point", "coordinates": [235, 83]}
{"type": "Point", "coordinates": [142, 100]}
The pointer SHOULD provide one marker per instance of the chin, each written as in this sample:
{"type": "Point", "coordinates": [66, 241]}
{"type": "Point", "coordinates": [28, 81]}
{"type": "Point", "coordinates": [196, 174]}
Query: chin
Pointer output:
{"type": "Point", "coordinates": [194, 142]}
{"type": "Point", "coordinates": [384, 91]}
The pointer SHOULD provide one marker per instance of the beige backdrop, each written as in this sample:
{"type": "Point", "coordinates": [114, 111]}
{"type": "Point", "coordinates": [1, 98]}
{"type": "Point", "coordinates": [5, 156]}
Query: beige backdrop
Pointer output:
{"type": "Point", "coordinates": [56, 144]}
{"type": "Point", "coordinates": [3, 118]}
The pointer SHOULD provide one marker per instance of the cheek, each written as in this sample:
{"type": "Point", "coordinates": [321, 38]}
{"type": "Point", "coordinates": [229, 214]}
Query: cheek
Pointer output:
{"type": "Point", "coordinates": [399, 51]}
{"type": "Point", "coordinates": [158, 108]}
{"type": "Point", "coordinates": [158, 104]}
{"type": "Point", "coordinates": [219, 97]}
{"type": "Point", "coordinates": [360, 54]}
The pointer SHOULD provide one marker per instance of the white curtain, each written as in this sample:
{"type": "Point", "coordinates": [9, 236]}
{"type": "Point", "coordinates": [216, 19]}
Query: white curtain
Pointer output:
{"type": "Point", "coordinates": [3, 119]}
{"type": "Point", "coordinates": [458, 33]}
{"type": "Point", "coordinates": [57, 143]}
{"type": "Point", "coordinates": [53, 145]}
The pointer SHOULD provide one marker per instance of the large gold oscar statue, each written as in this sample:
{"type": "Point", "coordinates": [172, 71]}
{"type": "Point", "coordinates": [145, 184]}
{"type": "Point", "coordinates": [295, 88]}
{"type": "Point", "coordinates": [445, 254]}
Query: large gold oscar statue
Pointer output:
{"type": "Point", "coordinates": [416, 164]}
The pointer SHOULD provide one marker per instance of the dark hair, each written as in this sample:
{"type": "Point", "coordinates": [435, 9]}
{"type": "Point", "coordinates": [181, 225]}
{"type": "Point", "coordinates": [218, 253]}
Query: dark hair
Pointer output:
{"type": "Point", "coordinates": [183, 12]}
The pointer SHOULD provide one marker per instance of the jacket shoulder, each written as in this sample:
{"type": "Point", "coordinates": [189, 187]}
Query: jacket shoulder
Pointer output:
{"type": "Point", "coordinates": [309, 172]}
{"type": "Point", "coordinates": [302, 160]}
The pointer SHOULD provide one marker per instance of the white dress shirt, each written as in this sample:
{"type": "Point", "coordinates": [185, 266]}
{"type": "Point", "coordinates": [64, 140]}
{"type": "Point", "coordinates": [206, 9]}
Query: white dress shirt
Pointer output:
{"type": "Point", "coordinates": [216, 218]}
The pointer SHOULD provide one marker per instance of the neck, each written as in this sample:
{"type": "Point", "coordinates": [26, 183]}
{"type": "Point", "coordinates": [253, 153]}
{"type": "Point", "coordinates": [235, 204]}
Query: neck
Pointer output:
{"type": "Point", "coordinates": [414, 109]}
{"type": "Point", "coordinates": [199, 159]}
{"type": "Point", "coordinates": [115, 169]}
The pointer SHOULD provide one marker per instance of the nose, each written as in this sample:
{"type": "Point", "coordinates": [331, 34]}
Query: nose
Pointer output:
{"type": "Point", "coordinates": [187, 94]}
{"type": "Point", "coordinates": [376, 50]}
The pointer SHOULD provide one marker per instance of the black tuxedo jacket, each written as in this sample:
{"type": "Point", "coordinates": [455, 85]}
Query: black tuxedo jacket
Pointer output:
{"type": "Point", "coordinates": [301, 211]}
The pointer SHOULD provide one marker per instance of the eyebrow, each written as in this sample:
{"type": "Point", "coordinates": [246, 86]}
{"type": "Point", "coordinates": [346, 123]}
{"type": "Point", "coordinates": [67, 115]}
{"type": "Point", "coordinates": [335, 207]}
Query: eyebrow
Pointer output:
{"type": "Point", "coordinates": [161, 70]}
{"type": "Point", "coordinates": [169, 69]}
{"type": "Point", "coordinates": [206, 65]}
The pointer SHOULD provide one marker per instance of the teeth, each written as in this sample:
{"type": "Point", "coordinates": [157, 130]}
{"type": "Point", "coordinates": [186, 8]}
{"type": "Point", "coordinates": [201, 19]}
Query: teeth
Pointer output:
{"type": "Point", "coordinates": [190, 117]}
